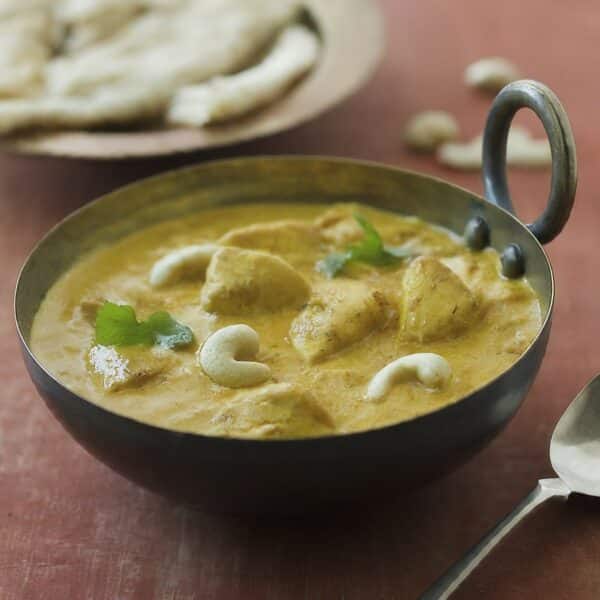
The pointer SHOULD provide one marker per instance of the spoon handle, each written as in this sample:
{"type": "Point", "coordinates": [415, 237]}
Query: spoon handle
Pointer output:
{"type": "Point", "coordinates": [460, 570]}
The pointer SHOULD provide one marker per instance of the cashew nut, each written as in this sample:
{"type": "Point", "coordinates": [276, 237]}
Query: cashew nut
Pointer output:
{"type": "Point", "coordinates": [225, 355]}
{"type": "Point", "coordinates": [187, 261]}
{"type": "Point", "coordinates": [430, 369]}
{"type": "Point", "coordinates": [426, 130]}
{"type": "Point", "coordinates": [521, 150]}
{"type": "Point", "coordinates": [491, 74]}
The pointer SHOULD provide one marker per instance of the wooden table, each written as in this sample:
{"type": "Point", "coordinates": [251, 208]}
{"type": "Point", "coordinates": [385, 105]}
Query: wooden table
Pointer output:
{"type": "Point", "coordinates": [71, 528]}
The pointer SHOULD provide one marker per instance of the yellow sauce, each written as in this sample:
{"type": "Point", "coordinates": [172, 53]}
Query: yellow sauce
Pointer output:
{"type": "Point", "coordinates": [173, 392]}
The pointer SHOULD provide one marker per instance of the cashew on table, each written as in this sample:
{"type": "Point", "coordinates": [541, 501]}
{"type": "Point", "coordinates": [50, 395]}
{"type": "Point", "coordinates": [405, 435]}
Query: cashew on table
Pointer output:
{"type": "Point", "coordinates": [427, 130]}
{"type": "Point", "coordinates": [226, 357]}
{"type": "Point", "coordinates": [491, 74]}
{"type": "Point", "coordinates": [430, 369]}
{"type": "Point", "coordinates": [183, 262]}
{"type": "Point", "coordinates": [521, 149]}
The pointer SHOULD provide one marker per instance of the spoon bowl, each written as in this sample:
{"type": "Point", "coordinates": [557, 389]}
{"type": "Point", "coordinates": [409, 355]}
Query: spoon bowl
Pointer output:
{"type": "Point", "coordinates": [575, 444]}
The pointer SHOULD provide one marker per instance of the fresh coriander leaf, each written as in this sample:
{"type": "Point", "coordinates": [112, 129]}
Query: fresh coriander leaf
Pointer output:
{"type": "Point", "coordinates": [168, 332]}
{"type": "Point", "coordinates": [117, 325]}
{"type": "Point", "coordinates": [369, 250]}
{"type": "Point", "coordinates": [372, 240]}
{"type": "Point", "coordinates": [333, 263]}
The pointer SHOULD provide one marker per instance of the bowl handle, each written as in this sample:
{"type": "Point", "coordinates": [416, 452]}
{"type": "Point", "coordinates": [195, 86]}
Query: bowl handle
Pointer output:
{"type": "Point", "coordinates": [544, 103]}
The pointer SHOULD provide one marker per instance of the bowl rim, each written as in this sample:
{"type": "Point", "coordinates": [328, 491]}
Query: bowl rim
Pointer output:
{"type": "Point", "coordinates": [256, 442]}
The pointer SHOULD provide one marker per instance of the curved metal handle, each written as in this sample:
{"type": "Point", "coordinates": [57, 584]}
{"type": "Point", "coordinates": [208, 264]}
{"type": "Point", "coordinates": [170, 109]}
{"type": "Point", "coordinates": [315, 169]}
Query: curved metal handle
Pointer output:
{"type": "Point", "coordinates": [448, 583]}
{"type": "Point", "coordinates": [540, 99]}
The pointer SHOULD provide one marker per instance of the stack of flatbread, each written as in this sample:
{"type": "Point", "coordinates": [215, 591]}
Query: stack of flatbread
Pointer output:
{"type": "Point", "coordinates": [92, 63]}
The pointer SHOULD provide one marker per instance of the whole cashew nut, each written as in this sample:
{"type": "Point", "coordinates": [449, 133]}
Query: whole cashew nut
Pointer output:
{"type": "Point", "coordinates": [491, 74]}
{"type": "Point", "coordinates": [190, 260]}
{"type": "Point", "coordinates": [225, 355]}
{"type": "Point", "coordinates": [430, 369]}
{"type": "Point", "coordinates": [426, 130]}
{"type": "Point", "coordinates": [521, 150]}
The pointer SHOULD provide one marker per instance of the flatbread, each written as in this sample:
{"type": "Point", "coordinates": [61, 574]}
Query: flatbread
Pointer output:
{"type": "Point", "coordinates": [294, 53]}
{"type": "Point", "coordinates": [26, 45]}
{"type": "Point", "coordinates": [13, 7]}
{"type": "Point", "coordinates": [114, 106]}
{"type": "Point", "coordinates": [174, 47]}
{"type": "Point", "coordinates": [92, 63]}
{"type": "Point", "coordinates": [90, 21]}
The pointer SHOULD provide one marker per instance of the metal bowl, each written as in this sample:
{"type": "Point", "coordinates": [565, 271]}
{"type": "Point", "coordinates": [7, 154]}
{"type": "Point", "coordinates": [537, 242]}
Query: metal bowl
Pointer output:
{"type": "Point", "coordinates": [241, 475]}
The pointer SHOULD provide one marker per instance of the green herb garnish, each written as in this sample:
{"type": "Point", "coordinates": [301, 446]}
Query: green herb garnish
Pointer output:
{"type": "Point", "coordinates": [332, 264]}
{"type": "Point", "coordinates": [117, 325]}
{"type": "Point", "coordinates": [371, 250]}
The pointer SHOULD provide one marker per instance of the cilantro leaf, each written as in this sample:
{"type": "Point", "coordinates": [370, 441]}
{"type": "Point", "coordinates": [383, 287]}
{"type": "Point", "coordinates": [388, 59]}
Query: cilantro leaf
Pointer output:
{"type": "Point", "coordinates": [370, 249]}
{"type": "Point", "coordinates": [168, 332]}
{"type": "Point", "coordinates": [333, 263]}
{"type": "Point", "coordinates": [371, 246]}
{"type": "Point", "coordinates": [117, 325]}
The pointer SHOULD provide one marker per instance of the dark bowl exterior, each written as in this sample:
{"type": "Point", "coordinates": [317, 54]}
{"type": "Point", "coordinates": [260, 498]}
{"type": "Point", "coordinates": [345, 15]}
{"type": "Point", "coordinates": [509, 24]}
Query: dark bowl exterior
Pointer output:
{"type": "Point", "coordinates": [258, 476]}
{"type": "Point", "coordinates": [286, 477]}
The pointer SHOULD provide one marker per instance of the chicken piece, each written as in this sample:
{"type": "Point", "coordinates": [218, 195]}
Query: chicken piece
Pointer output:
{"type": "Point", "coordinates": [127, 367]}
{"type": "Point", "coordinates": [482, 276]}
{"type": "Point", "coordinates": [341, 313]}
{"type": "Point", "coordinates": [289, 238]}
{"type": "Point", "coordinates": [241, 281]}
{"type": "Point", "coordinates": [436, 304]}
{"type": "Point", "coordinates": [87, 310]}
{"type": "Point", "coordinates": [338, 226]}
{"type": "Point", "coordinates": [335, 214]}
{"type": "Point", "coordinates": [278, 410]}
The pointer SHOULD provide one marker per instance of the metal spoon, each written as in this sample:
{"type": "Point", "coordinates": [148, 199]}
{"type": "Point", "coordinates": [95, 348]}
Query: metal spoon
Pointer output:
{"type": "Point", "coordinates": [575, 457]}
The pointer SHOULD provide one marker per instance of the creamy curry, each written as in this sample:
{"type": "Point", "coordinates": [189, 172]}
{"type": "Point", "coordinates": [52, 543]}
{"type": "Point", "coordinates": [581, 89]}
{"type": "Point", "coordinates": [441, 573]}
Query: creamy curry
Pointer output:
{"type": "Point", "coordinates": [323, 338]}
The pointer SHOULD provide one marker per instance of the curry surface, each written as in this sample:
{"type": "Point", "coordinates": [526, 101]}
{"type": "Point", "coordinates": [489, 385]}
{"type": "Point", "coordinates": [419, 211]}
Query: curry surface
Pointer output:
{"type": "Point", "coordinates": [179, 396]}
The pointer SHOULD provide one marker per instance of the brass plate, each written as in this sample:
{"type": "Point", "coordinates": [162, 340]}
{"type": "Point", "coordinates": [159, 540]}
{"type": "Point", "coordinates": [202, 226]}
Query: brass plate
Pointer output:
{"type": "Point", "coordinates": [353, 38]}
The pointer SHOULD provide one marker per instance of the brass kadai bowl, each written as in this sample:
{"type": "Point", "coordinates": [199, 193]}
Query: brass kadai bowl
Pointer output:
{"type": "Point", "coordinates": [282, 476]}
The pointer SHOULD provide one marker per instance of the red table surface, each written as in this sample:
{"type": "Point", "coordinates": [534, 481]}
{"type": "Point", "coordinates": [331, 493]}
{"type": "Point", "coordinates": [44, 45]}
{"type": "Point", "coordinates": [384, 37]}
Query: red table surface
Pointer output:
{"type": "Point", "coordinates": [71, 528]}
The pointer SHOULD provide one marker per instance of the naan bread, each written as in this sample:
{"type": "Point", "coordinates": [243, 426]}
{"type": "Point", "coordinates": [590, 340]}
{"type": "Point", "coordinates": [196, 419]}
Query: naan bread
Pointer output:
{"type": "Point", "coordinates": [89, 21]}
{"type": "Point", "coordinates": [111, 106]}
{"type": "Point", "coordinates": [90, 63]}
{"type": "Point", "coordinates": [12, 7]}
{"type": "Point", "coordinates": [26, 44]}
{"type": "Point", "coordinates": [295, 52]}
{"type": "Point", "coordinates": [171, 48]}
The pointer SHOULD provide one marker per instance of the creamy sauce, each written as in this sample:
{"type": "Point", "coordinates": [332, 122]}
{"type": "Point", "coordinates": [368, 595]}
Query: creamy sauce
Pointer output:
{"type": "Point", "coordinates": [169, 389]}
